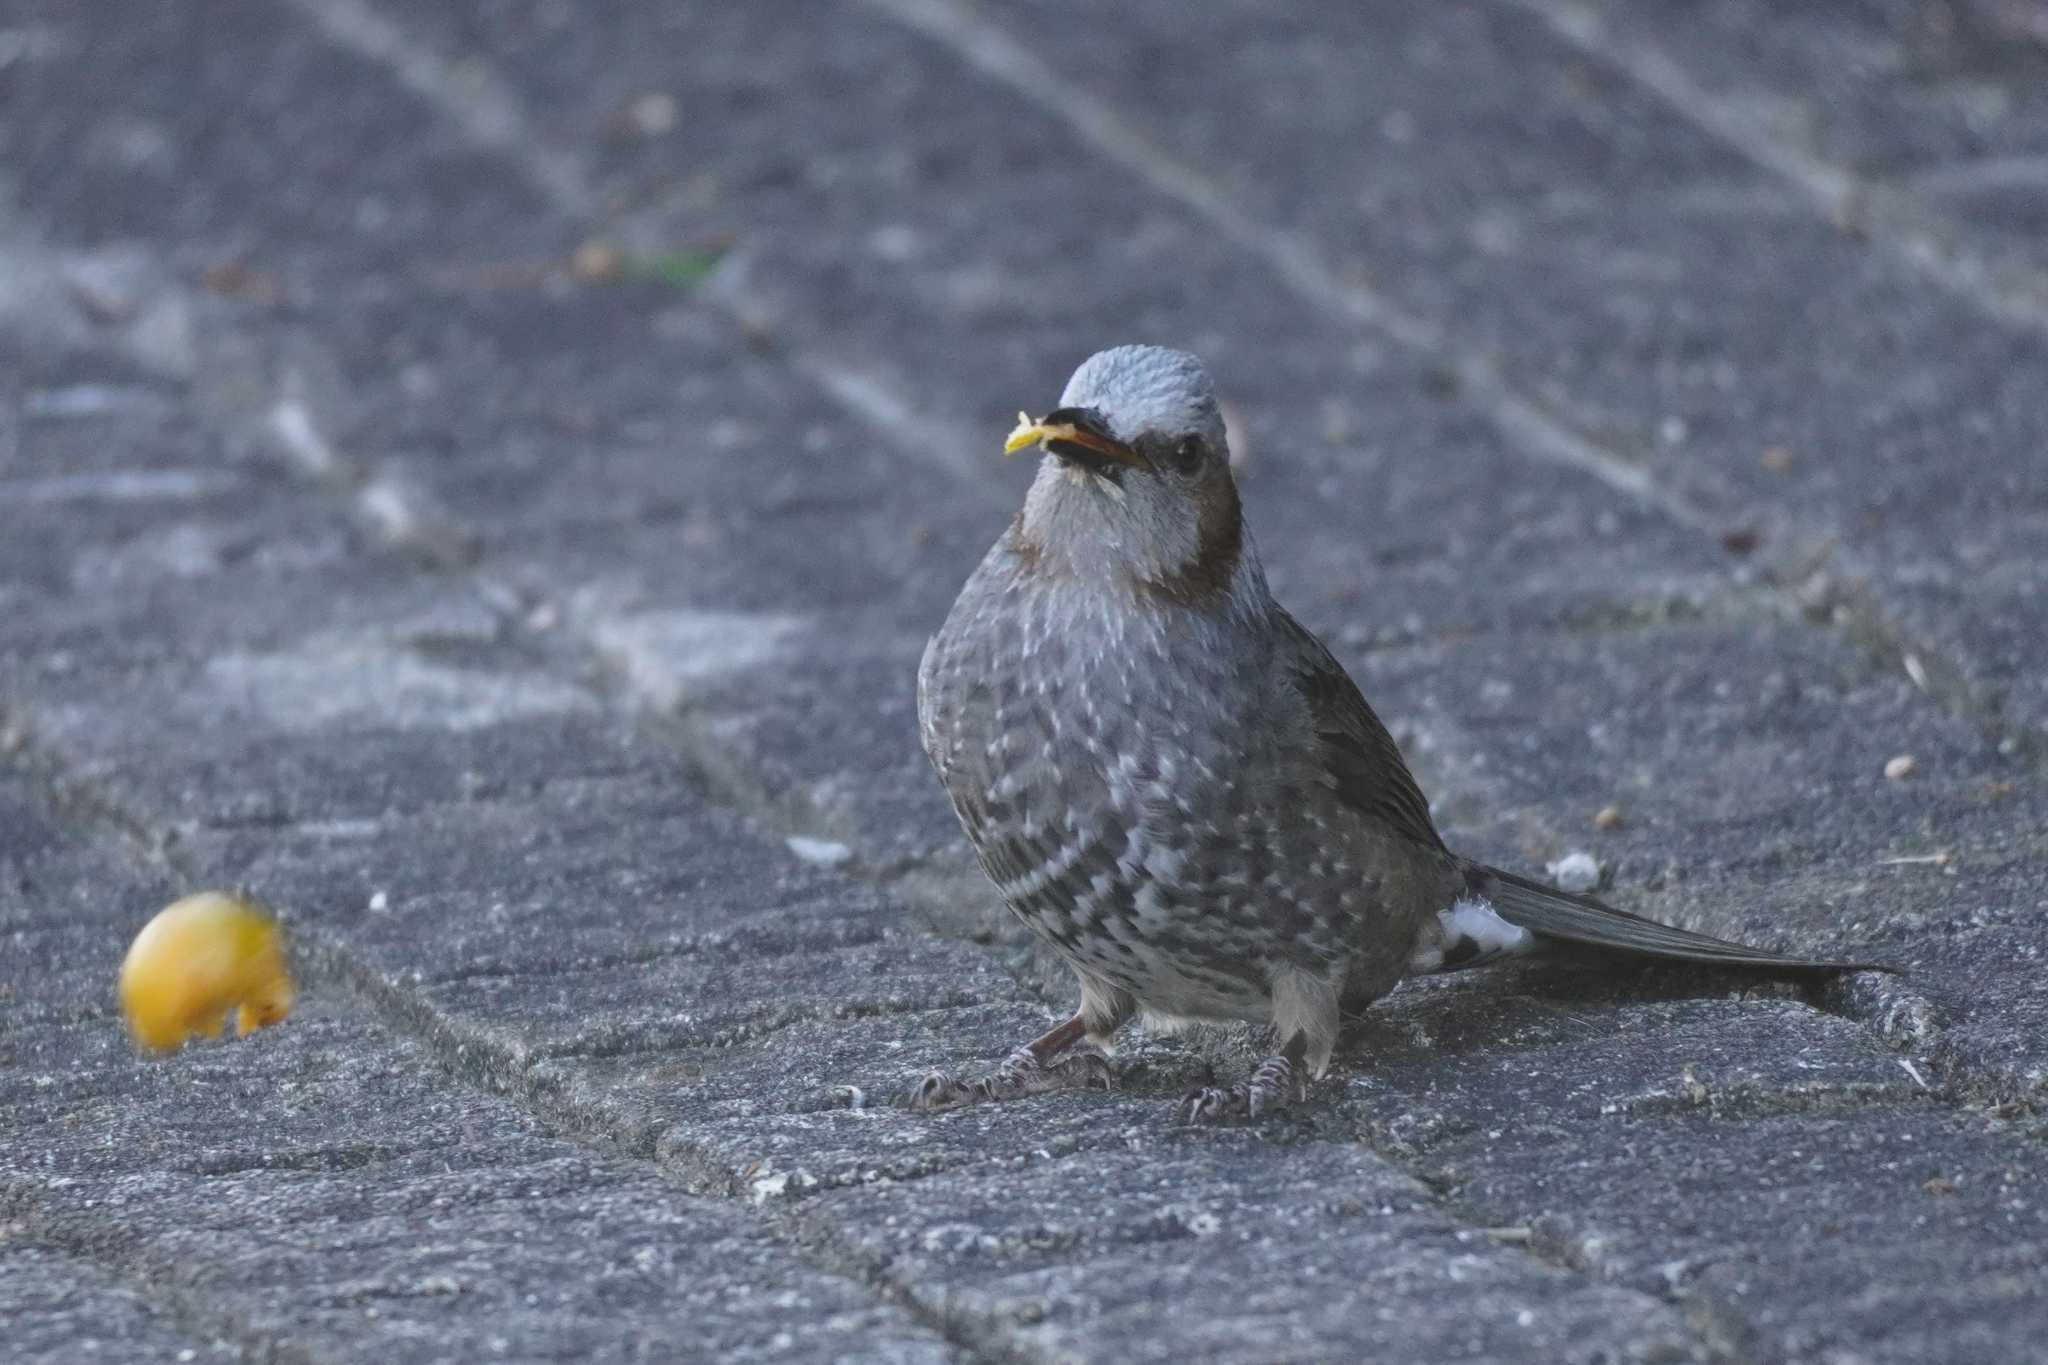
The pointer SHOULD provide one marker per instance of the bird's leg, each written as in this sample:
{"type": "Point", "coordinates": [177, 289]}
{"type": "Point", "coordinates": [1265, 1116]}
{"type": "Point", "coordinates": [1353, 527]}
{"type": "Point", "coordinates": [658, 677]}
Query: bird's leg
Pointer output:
{"type": "Point", "coordinates": [1033, 1069]}
{"type": "Point", "coordinates": [1274, 1084]}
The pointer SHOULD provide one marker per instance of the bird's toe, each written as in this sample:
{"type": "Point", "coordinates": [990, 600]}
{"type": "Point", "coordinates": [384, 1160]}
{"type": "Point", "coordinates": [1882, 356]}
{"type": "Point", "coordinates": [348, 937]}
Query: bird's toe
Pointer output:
{"type": "Point", "coordinates": [938, 1092]}
{"type": "Point", "coordinates": [1086, 1069]}
{"type": "Point", "coordinates": [1275, 1085]}
{"type": "Point", "coordinates": [1215, 1104]}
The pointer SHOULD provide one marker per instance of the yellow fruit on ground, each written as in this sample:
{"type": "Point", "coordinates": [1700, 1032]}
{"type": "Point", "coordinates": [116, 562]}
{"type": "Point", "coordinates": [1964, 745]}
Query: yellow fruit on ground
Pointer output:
{"type": "Point", "coordinates": [201, 957]}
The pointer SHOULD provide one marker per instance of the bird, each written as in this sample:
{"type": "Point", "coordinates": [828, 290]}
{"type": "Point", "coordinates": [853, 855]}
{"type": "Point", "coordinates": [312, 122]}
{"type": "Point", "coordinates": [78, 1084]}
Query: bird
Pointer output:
{"type": "Point", "coordinates": [1177, 787]}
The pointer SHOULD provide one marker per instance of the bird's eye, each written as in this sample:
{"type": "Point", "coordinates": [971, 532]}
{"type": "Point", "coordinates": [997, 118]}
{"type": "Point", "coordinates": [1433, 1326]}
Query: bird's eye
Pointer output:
{"type": "Point", "coordinates": [1187, 454]}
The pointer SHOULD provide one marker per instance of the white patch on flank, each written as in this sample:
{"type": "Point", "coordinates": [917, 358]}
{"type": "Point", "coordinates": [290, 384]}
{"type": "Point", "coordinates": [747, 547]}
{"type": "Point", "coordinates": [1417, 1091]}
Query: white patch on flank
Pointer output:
{"type": "Point", "coordinates": [1475, 919]}
{"type": "Point", "coordinates": [1469, 920]}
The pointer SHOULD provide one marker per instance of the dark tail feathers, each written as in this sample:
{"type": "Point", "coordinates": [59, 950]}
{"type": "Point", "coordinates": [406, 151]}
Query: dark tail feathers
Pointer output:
{"type": "Point", "coordinates": [1563, 916]}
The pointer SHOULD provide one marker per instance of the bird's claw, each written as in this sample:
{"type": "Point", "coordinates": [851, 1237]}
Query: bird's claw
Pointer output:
{"type": "Point", "coordinates": [1274, 1085]}
{"type": "Point", "coordinates": [1020, 1074]}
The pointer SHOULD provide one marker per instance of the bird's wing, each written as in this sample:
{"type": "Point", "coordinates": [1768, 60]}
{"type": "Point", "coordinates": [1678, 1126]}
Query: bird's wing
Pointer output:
{"type": "Point", "coordinates": [1367, 769]}
{"type": "Point", "coordinates": [1569, 918]}
{"type": "Point", "coordinates": [1360, 756]}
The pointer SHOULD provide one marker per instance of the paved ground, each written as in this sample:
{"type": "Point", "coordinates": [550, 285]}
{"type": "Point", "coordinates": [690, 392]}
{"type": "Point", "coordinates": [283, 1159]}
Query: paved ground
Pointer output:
{"type": "Point", "coordinates": [1647, 401]}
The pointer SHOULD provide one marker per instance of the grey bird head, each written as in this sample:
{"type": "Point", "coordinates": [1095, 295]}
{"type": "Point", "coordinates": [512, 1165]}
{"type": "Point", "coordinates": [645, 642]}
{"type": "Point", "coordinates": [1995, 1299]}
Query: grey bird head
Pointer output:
{"type": "Point", "coordinates": [1135, 485]}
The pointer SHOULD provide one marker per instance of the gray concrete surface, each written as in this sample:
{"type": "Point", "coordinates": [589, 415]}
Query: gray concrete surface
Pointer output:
{"type": "Point", "coordinates": [1647, 402]}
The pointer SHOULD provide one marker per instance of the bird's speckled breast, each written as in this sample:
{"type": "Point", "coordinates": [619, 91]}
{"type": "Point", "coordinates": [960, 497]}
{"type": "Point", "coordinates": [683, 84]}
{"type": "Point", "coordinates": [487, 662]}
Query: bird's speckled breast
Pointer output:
{"type": "Point", "coordinates": [1140, 781]}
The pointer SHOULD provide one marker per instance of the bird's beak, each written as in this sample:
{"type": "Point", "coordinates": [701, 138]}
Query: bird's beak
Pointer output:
{"type": "Point", "coordinates": [1075, 435]}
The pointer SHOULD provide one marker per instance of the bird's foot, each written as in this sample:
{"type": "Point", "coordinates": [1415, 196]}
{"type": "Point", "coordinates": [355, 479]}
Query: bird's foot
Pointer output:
{"type": "Point", "coordinates": [1021, 1073]}
{"type": "Point", "coordinates": [1276, 1083]}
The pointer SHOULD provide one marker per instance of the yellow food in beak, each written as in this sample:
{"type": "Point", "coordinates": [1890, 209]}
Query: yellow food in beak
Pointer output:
{"type": "Point", "coordinates": [1030, 432]}
{"type": "Point", "coordinates": [199, 958]}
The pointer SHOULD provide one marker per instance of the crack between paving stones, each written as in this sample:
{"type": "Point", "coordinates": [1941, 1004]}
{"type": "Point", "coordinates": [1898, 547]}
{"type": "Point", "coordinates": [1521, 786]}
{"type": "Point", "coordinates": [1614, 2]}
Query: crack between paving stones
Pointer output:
{"type": "Point", "coordinates": [1741, 1104]}
{"type": "Point", "coordinates": [901, 1168]}
{"type": "Point", "coordinates": [344, 829]}
{"type": "Point", "coordinates": [1899, 1016]}
{"type": "Point", "coordinates": [702, 946]}
{"type": "Point", "coordinates": [341, 1158]}
{"type": "Point", "coordinates": [746, 1032]}
{"type": "Point", "coordinates": [1973, 1084]}
{"type": "Point", "coordinates": [1736, 1103]}
{"type": "Point", "coordinates": [1737, 602]}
